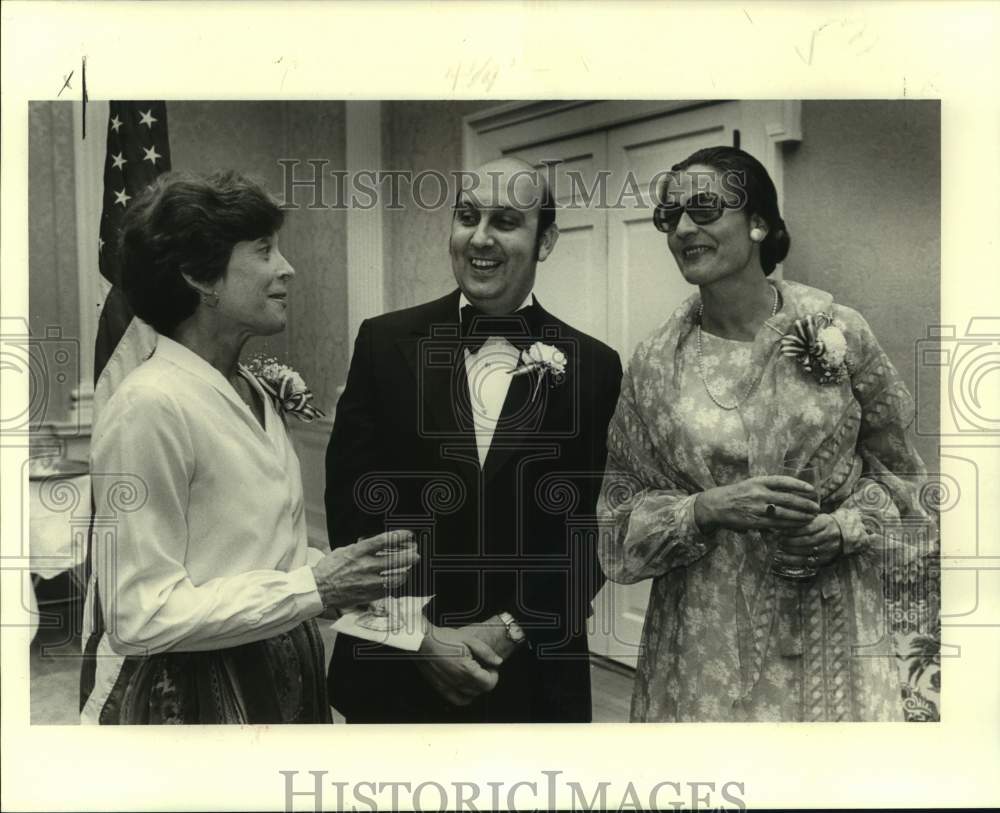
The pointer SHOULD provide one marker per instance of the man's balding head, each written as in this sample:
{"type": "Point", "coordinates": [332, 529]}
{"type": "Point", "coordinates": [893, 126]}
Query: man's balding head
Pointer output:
{"type": "Point", "coordinates": [525, 186]}
{"type": "Point", "coordinates": [502, 227]}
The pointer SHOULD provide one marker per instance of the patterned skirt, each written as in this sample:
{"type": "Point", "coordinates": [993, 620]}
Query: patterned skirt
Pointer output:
{"type": "Point", "coordinates": [277, 680]}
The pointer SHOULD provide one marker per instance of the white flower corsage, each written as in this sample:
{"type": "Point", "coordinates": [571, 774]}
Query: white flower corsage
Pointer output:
{"type": "Point", "coordinates": [286, 386]}
{"type": "Point", "coordinates": [548, 362]}
{"type": "Point", "coordinates": [818, 343]}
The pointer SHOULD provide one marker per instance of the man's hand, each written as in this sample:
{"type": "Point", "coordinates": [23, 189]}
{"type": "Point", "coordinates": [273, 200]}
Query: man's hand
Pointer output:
{"type": "Point", "coordinates": [493, 633]}
{"type": "Point", "coordinates": [457, 664]}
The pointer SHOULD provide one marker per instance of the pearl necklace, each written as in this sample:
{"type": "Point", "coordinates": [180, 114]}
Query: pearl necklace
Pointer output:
{"type": "Point", "coordinates": [701, 364]}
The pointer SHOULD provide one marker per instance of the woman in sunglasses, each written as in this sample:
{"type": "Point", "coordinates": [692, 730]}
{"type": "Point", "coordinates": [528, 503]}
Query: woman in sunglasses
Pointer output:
{"type": "Point", "coordinates": [758, 471]}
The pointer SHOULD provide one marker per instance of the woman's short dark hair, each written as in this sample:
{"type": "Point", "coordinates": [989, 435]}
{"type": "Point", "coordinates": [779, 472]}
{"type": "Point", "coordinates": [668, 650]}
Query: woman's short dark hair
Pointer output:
{"type": "Point", "coordinates": [751, 180]}
{"type": "Point", "coordinates": [188, 224]}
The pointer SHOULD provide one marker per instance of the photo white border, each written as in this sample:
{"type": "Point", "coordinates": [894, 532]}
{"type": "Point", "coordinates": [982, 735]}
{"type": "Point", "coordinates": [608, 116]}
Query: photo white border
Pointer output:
{"type": "Point", "coordinates": [394, 50]}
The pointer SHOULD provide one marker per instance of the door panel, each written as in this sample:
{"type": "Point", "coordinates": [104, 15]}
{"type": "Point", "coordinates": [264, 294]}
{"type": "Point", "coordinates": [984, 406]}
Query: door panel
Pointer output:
{"type": "Point", "coordinates": [571, 283]}
{"type": "Point", "coordinates": [579, 265]}
{"type": "Point", "coordinates": [644, 285]}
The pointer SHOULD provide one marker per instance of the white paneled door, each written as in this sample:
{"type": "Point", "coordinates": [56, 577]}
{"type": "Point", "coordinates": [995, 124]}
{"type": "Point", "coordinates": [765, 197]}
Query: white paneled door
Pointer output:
{"type": "Point", "coordinates": [572, 282]}
{"type": "Point", "coordinates": [611, 274]}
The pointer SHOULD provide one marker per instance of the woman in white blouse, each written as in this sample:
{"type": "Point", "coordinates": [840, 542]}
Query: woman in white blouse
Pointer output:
{"type": "Point", "coordinates": [207, 590]}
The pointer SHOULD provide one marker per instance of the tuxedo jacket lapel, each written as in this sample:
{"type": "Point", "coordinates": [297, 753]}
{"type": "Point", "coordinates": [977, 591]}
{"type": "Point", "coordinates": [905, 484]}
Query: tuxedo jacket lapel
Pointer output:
{"type": "Point", "coordinates": [514, 423]}
{"type": "Point", "coordinates": [527, 411]}
{"type": "Point", "coordinates": [433, 354]}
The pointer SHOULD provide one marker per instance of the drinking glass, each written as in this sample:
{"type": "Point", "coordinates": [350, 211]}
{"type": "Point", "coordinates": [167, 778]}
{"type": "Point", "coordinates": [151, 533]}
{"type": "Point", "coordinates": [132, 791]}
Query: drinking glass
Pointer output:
{"type": "Point", "coordinates": [808, 474]}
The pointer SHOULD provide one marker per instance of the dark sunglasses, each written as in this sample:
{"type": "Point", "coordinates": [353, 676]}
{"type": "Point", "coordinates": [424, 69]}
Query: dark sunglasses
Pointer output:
{"type": "Point", "coordinates": [703, 208]}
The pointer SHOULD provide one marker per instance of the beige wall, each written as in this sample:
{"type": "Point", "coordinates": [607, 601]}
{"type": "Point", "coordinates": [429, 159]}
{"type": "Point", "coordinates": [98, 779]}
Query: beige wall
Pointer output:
{"type": "Point", "coordinates": [315, 242]}
{"type": "Point", "coordinates": [252, 136]}
{"type": "Point", "coordinates": [206, 136]}
{"type": "Point", "coordinates": [246, 136]}
{"type": "Point", "coordinates": [863, 207]}
{"type": "Point", "coordinates": [417, 136]}
{"type": "Point", "coordinates": [53, 298]}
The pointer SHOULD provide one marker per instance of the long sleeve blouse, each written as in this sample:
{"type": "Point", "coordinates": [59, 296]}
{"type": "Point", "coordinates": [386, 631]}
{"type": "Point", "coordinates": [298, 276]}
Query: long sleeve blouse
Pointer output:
{"type": "Point", "coordinates": [200, 531]}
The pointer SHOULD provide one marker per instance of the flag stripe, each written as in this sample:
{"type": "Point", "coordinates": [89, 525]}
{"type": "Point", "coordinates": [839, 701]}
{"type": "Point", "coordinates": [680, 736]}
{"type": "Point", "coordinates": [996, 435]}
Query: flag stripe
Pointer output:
{"type": "Point", "coordinates": [138, 150]}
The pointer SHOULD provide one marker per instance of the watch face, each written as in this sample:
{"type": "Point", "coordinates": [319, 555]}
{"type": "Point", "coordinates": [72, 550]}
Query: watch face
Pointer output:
{"type": "Point", "coordinates": [514, 632]}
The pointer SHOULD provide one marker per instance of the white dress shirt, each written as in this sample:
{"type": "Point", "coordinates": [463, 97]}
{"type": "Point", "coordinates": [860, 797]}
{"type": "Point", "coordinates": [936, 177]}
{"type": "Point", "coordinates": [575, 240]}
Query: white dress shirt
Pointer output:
{"type": "Point", "coordinates": [488, 374]}
{"type": "Point", "coordinates": [214, 552]}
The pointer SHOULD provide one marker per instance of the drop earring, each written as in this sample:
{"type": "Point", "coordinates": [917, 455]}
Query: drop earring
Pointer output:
{"type": "Point", "coordinates": [756, 234]}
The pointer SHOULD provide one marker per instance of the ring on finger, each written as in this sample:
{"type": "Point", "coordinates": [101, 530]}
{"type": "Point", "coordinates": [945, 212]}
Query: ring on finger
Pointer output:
{"type": "Point", "coordinates": [770, 509]}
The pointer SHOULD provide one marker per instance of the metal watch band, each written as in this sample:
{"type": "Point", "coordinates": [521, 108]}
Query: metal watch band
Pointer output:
{"type": "Point", "coordinates": [514, 632]}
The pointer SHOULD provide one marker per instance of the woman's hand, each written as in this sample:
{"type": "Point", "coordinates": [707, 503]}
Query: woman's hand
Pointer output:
{"type": "Point", "coordinates": [743, 506]}
{"type": "Point", "coordinates": [367, 570]}
{"type": "Point", "coordinates": [812, 546]}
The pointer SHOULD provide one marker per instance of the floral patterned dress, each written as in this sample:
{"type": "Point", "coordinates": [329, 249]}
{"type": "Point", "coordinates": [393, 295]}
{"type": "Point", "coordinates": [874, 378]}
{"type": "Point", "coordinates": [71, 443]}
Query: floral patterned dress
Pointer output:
{"type": "Point", "coordinates": [724, 638]}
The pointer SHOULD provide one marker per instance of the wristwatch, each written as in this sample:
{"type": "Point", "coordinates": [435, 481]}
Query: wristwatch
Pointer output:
{"type": "Point", "coordinates": [514, 632]}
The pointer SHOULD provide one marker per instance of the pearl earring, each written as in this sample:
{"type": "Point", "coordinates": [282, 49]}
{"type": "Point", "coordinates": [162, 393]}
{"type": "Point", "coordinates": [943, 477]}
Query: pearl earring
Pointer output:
{"type": "Point", "coordinates": [756, 234]}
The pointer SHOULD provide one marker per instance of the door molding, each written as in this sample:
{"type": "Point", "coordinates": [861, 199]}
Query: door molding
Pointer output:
{"type": "Point", "coordinates": [497, 130]}
{"type": "Point", "coordinates": [88, 172]}
{"type": "Point", "coordinates": [766, 125]}
{"type": "Point", "coordinates": [365, 260]}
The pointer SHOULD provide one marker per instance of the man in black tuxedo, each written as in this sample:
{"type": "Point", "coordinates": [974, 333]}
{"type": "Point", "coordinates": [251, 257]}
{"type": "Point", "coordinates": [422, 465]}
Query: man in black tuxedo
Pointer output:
{"type": "Point", "coordinates": [447, 429]}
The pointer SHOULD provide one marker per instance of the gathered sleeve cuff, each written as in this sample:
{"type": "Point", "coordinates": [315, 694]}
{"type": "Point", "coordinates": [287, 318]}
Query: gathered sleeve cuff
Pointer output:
{"type": "Point", "coordinates": [864, 517]}
{"type": "Point", "coordinates": [647, 524]}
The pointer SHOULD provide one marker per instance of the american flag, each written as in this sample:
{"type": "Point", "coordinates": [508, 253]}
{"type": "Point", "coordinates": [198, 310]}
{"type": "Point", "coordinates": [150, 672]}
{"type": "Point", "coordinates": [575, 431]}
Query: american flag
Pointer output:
{"type": "Point", "coordinates": [137, 151]}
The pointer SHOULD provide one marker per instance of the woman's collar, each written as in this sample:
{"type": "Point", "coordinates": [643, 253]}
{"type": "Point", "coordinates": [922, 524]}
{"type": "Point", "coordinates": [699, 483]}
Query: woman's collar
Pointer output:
{"type": "Point", "coordinates": [185, 358]}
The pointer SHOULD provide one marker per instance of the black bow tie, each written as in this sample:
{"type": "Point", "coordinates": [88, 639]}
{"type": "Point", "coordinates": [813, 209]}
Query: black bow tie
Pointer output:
{"type": "Point", "coordinates": [518, 328]}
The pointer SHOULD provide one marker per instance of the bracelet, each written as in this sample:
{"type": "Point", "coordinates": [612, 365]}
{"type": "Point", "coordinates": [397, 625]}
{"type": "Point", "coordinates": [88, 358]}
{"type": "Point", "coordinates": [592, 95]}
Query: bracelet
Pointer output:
{"type": "Point", "coordinates": [514, 632]}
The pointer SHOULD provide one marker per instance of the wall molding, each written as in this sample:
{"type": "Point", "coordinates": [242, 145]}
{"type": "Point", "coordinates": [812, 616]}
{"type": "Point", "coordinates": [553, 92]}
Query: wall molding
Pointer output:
{"type": "Point", "coordinates": [788, 128]}
{"type": "Point", "coordinates": [82, 406]}
{"type": "Point", "coordinates": [88, 171]}
{"type": "Point", "coordinates": [365, 260]}
{"type": "Point", "coordinates": [486, 134]}
{"type": "Point", "coordinates": [769, 126]}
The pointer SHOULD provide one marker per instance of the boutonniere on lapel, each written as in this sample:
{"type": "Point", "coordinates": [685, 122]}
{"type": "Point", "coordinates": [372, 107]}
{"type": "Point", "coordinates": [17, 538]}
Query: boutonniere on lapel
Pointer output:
{"type": "Point", "coordinates": [547, 362]}
{"type": "Point", "coordinates": [818, 343]}
{"type": "Point", "coordinates": [285, 386]}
